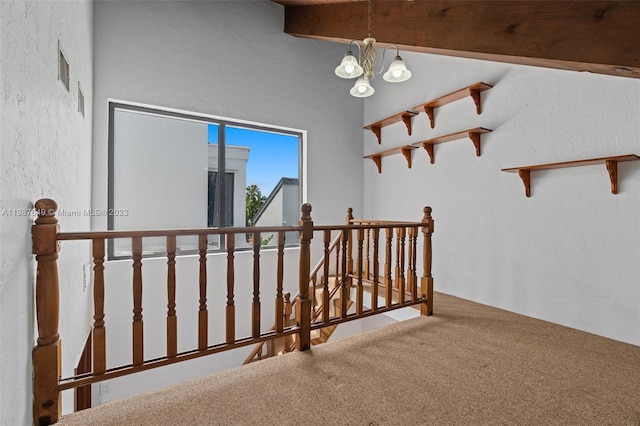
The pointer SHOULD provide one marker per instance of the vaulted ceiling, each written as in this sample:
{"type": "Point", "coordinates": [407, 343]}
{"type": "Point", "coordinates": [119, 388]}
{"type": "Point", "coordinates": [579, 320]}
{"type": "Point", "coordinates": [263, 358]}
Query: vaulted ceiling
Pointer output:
{"type": "Point", "coordinates": [589, 35]}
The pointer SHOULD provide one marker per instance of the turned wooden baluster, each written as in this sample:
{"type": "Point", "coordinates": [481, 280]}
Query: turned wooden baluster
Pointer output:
{"type": "Point", "coordinates": [344, 288]}
{"type": "Point", "coordinates": [410, 272]}
{"type": "Point", "coordinates": [278, 344]}
{"type": "Point", "coordinates": [203, 314]}
{"type": "Point", "coordinates": [338, 263]}
{"type": "Point", "coordinates": [99, 332]}
{"type": "Point", "coordinates": [413, 244]}
{"type": "Point", "coordinates": [325, 277]}
{"type": "Point", "coordinates": [172, 320]}
{"type": "Point", "coordinates": [255, 304]}
{"type": "Point", "coordinates": [426, 283]}
{"type": "Point", "coordinates": [303, 307]}
{"type": "Point", "coordinates": [230, 309]}
{"type": "Point", "coordinates": [359, 288]}
{"type": "Point", "coordinates": [138, 324]}
{"type": "Point", "coordinates": [367, 268]}
{"type": "Point", "coordinates": [397, 267]}
{"type": "Point", "coordinates": [388, 281]}
{"type": "Point", "coordinates": [286, 316]}
{"type": "Point", "coordinates": [376, 270]}
{"type": "Point", "coordinates": [312, 293]}
{"type": "Point", "coordinates": [279, 309]}
{"type": "Point", "coordinates": [400, 260]}
{"type": "Point", "coordinates": [47, 404]}
{"type": "Point", "coordinates": [409, 261]}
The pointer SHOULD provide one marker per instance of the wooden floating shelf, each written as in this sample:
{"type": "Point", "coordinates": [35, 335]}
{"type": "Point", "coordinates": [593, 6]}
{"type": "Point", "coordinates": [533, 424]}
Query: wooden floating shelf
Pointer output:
{"type": "Point", "coordinates": [404, 116]}
{"type": "Point", "coordinates": [473, 134]}
{"type": "Point", "coordinates": [404, 150]}
{"type": "Point", "coordinates": [473, 91]}
{"type": "Point", "coordinates": [611, 163]}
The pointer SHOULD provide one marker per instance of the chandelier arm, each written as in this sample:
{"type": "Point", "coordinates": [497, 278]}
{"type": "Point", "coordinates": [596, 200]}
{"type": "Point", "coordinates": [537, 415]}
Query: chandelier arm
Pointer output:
{"type": "Point", "coordinates": [384, 52]}
{"type": "Point", "coordinates": [359, 50]}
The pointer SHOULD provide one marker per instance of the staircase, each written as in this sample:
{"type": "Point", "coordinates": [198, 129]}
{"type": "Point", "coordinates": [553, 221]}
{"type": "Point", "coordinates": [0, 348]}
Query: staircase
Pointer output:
{"type": "Point", "coordinates": [287, 344]}
{"type": "Point", "coordinates": [323, 334]}
{"type": "Point", "coordinates": [339, 273]}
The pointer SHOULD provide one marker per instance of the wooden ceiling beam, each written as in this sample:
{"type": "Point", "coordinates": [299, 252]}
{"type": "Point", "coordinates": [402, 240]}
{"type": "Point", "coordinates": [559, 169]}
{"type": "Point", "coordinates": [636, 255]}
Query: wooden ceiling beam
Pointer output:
{"type": "Point", "coordinates": [595, 36]}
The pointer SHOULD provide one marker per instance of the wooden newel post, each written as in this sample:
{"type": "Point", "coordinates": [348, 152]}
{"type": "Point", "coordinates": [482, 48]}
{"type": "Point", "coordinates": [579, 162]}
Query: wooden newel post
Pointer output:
{"type": "Point", "coordinates": [349, 221]}
{"type": "Point", "coordinates": [349, 216]}
{"type": "Point", "coordinates": [47, 404]}
{"type": "Point", "coordinates": [303, 307]}
{"type": "Point", "coordinates": [426, 282]}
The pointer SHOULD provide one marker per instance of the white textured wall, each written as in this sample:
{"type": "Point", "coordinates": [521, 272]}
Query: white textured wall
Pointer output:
{"type": "Point", "coordinates": [45, 152]}
{"type": "Point", "coordinates": [570, 254]}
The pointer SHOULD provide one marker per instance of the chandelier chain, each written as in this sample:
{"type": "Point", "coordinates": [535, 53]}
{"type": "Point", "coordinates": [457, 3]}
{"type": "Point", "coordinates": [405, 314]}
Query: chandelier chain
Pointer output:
{"type": "Point", "coordinates": [369, 18]}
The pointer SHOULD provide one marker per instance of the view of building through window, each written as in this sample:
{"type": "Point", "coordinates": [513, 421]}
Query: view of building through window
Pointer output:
{"type": "Point", "coordinates": [210, 173]}
{"type": "Point", "coordinates": [268, 164]}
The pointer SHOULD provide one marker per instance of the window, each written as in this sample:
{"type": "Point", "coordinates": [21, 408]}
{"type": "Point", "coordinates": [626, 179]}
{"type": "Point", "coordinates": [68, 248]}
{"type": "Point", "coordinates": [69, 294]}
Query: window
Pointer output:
{"type": "Point", "coordinates": [210, 173]}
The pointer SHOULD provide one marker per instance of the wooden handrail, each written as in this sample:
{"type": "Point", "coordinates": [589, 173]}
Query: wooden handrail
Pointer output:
{"type": "Point", "coordinates": [92, 235]}
{"type": "Point", "coordinates": [46, 238]}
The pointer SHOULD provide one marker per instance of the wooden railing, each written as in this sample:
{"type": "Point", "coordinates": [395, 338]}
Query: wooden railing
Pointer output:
{"type": "Point", "coordinates": [47, 239]}
{"type": "Point", "coordinates": [395, 289]}
{"type": "Point", "coordinates": [323, 266]}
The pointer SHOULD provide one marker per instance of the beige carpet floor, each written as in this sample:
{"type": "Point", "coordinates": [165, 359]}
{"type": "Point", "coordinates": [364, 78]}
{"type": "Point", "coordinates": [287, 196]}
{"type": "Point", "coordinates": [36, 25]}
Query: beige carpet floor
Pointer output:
{"type": "Point", "coordinates": [469, 364]}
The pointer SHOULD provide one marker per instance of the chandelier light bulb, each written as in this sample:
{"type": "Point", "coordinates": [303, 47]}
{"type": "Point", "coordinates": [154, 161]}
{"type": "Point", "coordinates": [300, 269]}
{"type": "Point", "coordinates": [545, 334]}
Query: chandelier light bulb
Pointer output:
{"type": "Point", "coordinates": [362, 88]}
{"type": "Point", "coordinates": [397, 72]}
{"type": "Point", "coordinates": [349, 67]}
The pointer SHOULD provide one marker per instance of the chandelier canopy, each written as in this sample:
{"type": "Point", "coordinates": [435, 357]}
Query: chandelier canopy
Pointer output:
{"type": "Point", "coordinates": [364, 66]}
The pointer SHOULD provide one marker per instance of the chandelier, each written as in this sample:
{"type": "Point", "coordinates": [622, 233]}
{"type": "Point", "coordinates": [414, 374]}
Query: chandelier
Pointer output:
{"type": "Point", "coordinates": [364, 66]}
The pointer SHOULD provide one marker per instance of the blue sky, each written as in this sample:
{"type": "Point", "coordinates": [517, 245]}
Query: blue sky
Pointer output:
{"type": "Point", "coordinates": [271, 157]}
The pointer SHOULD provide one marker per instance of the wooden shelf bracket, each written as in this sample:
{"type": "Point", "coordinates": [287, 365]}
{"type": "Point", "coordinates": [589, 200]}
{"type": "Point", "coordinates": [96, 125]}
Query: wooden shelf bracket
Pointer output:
{"type": "Point", "coordinates": [430, 111]}
{"type": "Point", "coordinates": [406, 119]}
{"type": "Point", "coordinates": [525, 175]}
{"type": "Point", "coordinates": [431, 151]}
{"type": "Point", "coordinates": [378, 160]}
{"type": "Point", "coordinates": [475, 138]}
{"type": "Point", "coordinates": [475, 95]}
{"type": "Point", "coordinates": [377, 130]}
{"type": "Point", "coordinates": [406, 151]}
{"type": "Point", "coordinates": [612, 168]}
{"type": "Point", "coordinates": [611, 163]}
